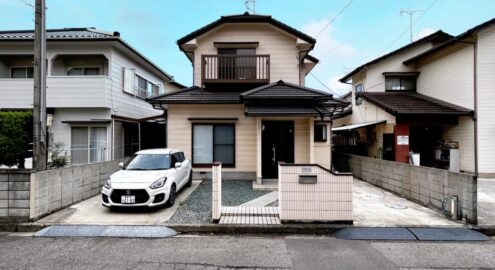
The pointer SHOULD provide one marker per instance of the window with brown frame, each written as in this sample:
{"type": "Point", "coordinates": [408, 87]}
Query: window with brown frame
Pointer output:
{"type": "Point", "coordinates": [213, 143]}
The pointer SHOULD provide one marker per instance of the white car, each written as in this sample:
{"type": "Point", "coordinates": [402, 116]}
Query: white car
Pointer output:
{"type": "Point", "coordinates": [150, 178]}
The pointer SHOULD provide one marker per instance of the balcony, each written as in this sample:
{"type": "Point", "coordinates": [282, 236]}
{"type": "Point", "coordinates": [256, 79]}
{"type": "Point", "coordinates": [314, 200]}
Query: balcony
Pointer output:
{"type": "Point", "coordinates": [225, 69]}
{"type": "Point", "coordinates": [62, 92]}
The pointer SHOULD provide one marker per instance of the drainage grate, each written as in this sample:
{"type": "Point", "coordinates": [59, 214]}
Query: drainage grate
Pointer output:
{"type": "Point", "coordinates": [448, 234]}
{"type": "Point", "coordinates": [106, 231]}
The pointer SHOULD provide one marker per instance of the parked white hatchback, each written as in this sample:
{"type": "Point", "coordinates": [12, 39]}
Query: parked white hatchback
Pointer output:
{"type": "Point", "coordinates": [150, 178]}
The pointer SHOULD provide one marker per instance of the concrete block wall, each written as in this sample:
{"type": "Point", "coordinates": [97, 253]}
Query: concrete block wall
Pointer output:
{"type": "Point", "coordinates": [424, 185]}
{"type": "Point", "coordinates": [56, 189]}
{"type": "Point", "coordinates": [14, 195]}
{"type": "Point", "coordinates": [329, 199]}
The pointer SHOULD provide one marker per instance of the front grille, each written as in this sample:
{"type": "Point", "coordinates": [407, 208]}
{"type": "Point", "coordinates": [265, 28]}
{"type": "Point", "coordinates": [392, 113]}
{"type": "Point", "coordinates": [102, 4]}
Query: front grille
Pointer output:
{"type": "Point", "coordinates": [141, 195]}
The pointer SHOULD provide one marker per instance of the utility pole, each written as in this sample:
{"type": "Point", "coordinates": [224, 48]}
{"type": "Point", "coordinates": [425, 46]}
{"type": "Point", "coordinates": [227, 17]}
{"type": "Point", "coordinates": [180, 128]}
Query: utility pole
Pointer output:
{"type": "Point", "coordinates": [39, 96]}
{"type": "Point", "coordinates": [410, 13]}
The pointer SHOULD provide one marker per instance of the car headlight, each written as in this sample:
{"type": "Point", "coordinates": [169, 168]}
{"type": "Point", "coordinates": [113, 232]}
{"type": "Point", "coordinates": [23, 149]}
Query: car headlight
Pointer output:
{"type": "Point", "coordinates": [108, 184]}
{"type": "Point", "coordinates": [159, 183]}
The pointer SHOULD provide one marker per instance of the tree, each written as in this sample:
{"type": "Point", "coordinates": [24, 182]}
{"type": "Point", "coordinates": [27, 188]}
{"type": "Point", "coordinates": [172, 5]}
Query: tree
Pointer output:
{"type": "Point", "coordinates": [15, 137]}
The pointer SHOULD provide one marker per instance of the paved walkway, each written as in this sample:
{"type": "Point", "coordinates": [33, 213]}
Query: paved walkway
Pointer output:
{"type": "Point", "coordinates": [92, 212]}
{"type": "Point", "coordinates": [486, 202]}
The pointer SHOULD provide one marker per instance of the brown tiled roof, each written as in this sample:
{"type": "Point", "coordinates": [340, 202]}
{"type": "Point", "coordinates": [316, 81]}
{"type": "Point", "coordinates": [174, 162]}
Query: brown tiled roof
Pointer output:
{"type": "Point", "coordinates": [401, 103]}
{"type": "Point", "coordinates": [246, 18]}
{"type": "Point", "coordinates": [284, 90]}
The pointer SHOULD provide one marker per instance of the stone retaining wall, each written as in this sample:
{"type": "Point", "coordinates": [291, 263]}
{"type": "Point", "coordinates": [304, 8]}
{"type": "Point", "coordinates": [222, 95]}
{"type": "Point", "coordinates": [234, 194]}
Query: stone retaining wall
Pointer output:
{"type": "Point", "coordinates": [14, 195]}
{"type": "Point", "coordinates": [424, 185]}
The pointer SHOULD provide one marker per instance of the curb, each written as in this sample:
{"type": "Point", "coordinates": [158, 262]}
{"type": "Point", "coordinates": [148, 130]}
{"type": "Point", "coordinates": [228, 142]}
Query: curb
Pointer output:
{"type": "Point", "coordinates": [314, 229]}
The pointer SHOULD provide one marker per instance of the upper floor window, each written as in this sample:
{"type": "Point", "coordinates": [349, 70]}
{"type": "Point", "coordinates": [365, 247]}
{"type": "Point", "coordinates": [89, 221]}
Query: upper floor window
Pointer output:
{"type": "Point", "coordinates": [400, 81]}
{"type": "Point", "coordinates": [21, 72]}
{"type": "Point", "coordinates": [359, 88]}
{"type": "Point", "coordinates": [83, 71]}
{"type": "Point", "coordinates": [146, 88]}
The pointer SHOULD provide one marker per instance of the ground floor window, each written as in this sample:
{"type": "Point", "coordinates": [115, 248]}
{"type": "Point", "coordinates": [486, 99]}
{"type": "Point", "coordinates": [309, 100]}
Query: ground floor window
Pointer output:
{"type": "Point", "coordinates": [212, 143]}
{"type": "Point", "coordinates": [320, 133]}
{"type": "Point", "coordinates": [88, 144]}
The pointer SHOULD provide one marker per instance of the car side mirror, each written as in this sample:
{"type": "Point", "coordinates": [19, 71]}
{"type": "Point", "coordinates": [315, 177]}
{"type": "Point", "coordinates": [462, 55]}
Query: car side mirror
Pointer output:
{"type": "Point", "coordinates": [178, 165]}
{"type": "Point", "coordinates": [121, 165]}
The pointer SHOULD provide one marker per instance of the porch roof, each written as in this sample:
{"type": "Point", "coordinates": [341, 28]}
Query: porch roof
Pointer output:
{"type": "Point", "coordinates": [412, 103]}
{"type": "Point", "coordinates": [356, 126]}
{"type": "Point", "coordinates": [294, 110]}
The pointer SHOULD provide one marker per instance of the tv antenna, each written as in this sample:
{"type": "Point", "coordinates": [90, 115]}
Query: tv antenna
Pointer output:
{"type": "Point", "coordinates": [410, 13]}
{"type": "Point", "coordinates": [250, 6]}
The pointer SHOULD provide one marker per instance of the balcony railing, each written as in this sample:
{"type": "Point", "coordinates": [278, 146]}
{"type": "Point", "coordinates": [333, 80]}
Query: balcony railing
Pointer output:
{"type": "Point", "coordinates": [235, 68]}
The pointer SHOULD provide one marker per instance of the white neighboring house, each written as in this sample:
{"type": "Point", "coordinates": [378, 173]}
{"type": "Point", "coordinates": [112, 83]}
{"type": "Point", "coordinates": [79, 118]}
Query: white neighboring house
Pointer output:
{"type": "Point", "coordinates": [438, 88]}
{"type": "Point", "coordinates": [97, 86]}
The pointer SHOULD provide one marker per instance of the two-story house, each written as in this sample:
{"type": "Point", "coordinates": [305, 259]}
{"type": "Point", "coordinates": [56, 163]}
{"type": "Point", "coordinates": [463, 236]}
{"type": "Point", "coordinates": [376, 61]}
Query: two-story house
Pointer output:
{"type": "Point", "coordinates": [96, 90]}
{"type": "Point", "coordinates": [433, 97]}
{"type": "Point", "coordinates": [249, 107]}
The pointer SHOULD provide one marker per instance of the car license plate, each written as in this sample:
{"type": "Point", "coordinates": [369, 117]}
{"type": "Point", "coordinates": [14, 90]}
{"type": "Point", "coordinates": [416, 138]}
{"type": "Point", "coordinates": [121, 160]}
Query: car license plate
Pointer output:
{"type": "Point", "coordinates": [128, 199]}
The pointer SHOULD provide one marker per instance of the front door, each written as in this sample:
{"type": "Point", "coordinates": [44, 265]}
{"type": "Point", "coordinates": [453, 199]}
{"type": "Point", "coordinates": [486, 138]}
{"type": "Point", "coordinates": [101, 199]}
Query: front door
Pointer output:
{"type": "Point", "coordinates": [277, 145]}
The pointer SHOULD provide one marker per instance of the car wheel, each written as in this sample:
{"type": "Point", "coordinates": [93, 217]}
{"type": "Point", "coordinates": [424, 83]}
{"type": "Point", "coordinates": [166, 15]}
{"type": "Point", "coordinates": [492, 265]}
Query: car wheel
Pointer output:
{"type": "Point", "coordinates": [171, 196]}
{"type": "Point", "coordinates": [189, 182]}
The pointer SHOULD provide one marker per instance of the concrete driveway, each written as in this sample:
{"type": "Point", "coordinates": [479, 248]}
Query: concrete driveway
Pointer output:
{"type": "Point", "coordinates": [486, 201]}
{"type": "Point", "coordinates": [92, 212]}
{"type": "Point", "coordinates": [374, 206]}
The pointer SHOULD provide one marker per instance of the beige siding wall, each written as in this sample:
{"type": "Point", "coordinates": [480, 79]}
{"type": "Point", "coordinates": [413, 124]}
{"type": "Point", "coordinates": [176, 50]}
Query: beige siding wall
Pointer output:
{"type": "Point", "coordinates": [486, 100]}
{"type": "Point", "coordinates": [282, 49]}
{"type": "Point", "coordinates": [180, 132]}
{"type": "Point", "coordinates": [449, 78]}
{"type": "Point", "coordinates": [464, 134]}
{"type": "Point", "coordinates": [374, 81]}
{"type": "Point", "coordinates": [322, 150]}
{"type": "Point", "coordinates": [367, 112]}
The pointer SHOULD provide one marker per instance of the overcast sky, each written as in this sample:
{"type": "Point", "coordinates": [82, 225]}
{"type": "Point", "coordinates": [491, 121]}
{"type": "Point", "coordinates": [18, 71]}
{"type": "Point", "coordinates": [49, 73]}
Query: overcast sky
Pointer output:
{"type": "Point", "coordinates": [365, 30]}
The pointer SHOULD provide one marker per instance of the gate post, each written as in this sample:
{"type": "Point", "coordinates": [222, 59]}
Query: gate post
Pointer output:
{"type": "Point", "coordinates": [216, 188]}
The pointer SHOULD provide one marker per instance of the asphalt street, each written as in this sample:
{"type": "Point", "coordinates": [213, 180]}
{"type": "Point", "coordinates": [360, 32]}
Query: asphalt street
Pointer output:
{"type": "Point", "coordinates": [240, 252]}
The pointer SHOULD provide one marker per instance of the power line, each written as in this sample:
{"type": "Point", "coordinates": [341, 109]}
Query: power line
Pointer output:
{"type": "Point", "coordinates": [334, 18]}
{"type": "Point", "coordinates": [324, 85]}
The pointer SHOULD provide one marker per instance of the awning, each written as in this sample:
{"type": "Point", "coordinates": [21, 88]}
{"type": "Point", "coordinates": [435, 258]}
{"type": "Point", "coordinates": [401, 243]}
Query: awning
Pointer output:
{"type": "Point", "coordinates": [355, 126]}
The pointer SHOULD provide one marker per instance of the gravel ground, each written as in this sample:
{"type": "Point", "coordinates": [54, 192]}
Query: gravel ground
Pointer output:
{"type": "Point", "coordinates": [197, 208]}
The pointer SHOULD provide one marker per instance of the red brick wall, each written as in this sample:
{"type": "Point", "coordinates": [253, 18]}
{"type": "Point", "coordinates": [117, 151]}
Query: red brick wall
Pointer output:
{"type": "Point", "coordinates": [401, 151]}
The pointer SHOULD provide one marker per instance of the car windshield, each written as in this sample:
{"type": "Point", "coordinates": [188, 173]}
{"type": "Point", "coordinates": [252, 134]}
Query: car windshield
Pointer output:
{"type": "Point", "coordinates": [149, 162]}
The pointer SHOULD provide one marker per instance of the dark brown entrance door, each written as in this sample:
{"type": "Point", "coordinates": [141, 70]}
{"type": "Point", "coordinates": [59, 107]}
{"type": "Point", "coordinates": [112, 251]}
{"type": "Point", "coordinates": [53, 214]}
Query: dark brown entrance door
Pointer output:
{"type": "Point", "coordinates": [277, 145]}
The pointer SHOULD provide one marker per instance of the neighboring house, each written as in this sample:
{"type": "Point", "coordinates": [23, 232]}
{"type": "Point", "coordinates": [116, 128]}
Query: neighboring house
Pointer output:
{"type": "Point", "coordinates": [249, 108]}
{"type": "Point", "coordinates": [427, 92]}
{"type": "Point", "coordinates": [96, 90]}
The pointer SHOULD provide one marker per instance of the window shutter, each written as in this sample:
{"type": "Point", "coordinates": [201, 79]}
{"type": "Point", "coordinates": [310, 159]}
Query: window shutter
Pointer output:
{"type": "Point", "coordinates": [129, 80]}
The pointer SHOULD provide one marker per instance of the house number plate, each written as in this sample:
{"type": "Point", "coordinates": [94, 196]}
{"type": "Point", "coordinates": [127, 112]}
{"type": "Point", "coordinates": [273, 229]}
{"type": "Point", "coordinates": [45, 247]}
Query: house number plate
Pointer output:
{"type": "Point", "coordinates": [306, 169]}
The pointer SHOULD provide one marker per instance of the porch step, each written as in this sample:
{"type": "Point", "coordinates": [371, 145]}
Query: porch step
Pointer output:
{"type": "Point", "coordinates": [263, 200]}
{"type": "Point", "coordinates": [266, 185]}
{"type": "Point", "coordinates": [250, 220]}
{"type": "Point", "coordinates": [260, 211]}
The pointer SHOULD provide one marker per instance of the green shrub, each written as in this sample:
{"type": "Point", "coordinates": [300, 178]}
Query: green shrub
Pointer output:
{"type": "Point", "coordinates": [59, 158]}
{"type": "Point", "coordinates": [15, 136]}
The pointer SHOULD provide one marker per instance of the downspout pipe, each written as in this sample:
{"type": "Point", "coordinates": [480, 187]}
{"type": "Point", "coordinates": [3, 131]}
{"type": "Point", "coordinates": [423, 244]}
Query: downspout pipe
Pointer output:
{"type": "Point", "coordinates": [475, 105]}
